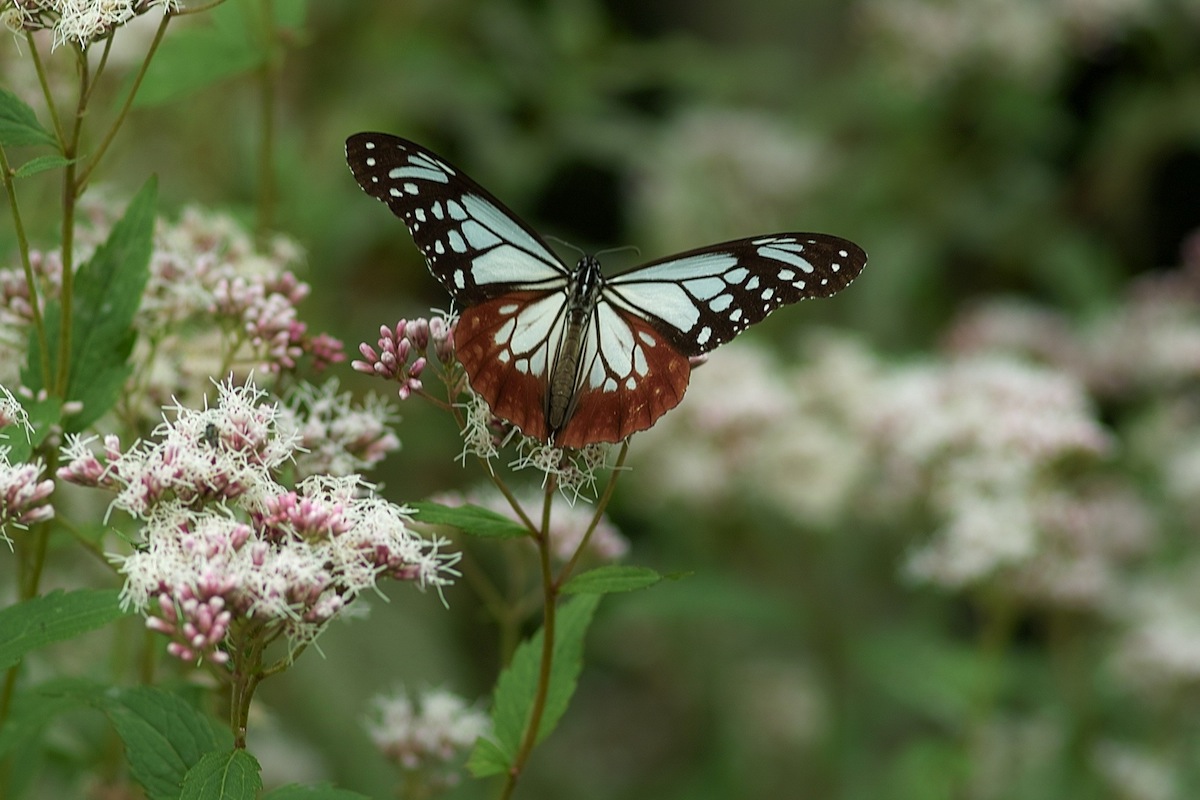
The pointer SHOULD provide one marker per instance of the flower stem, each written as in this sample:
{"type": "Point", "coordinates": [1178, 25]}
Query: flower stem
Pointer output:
{"type": "Point", "coordinates": [81, 183]}
{"type": "Point", "coordinates": [549, 614]}
{"type": "Point", "coordinates": [618, 468]}
{"type": "Point", "coordinates": [23, 246]}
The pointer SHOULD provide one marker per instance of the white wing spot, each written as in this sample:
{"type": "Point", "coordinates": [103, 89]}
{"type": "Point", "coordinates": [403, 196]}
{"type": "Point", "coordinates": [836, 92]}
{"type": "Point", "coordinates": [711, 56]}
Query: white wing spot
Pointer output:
{"type": "Point", "coordinates": [768, 293]}
{"type": "Point", "coordinates": [704, 288]}
{"type": "Point", "coordinates": [411, 188]}
{"type": "Point", "coordinates": [369, 145]}
{"type": "Point", "coordinates": [647, 338]}
{"type": "Point", "coordinates": [418, 172]}
{"type": "Point", "coordinates": [374, 179]}
{"type": "Point", "coordinates": [504, 357]}
{"type": "Point", "coordinates": [610, 385]}
{"type": "Point", "coordinates": [843, 253]}
{"type": "Point", "coordinates": [437, 209]}
{"type": "Point", "coordinates": [420, 212]}
{"type": "Point", "coordinates": [736, 275]}
{"type": "Point", "coordinates": [459, 279]}
{"type": "Point", "coordinates": [736, 315]}
{"type": "Point", "coordinates": [824, 281]}
{"type": "Point", "coordinates": [455, 210]}
{"type": "Point", "coordinates": [457, 243]}
{"type": "Point", "coordinates": [639, 361]}
{"type": "Point", "coordinates": [752, 284]}
{"type": "Point", "coordinates": [505, 332]}
{"type": "Point", "coordinates": [630, 383]}
{"type": "Point", "coordinates": [799, 285]}
{"type": "Point", "coordinates": [705, 334]}
{"type": "Point", "coordinates": [507, 308]}
{"type": "Point", "coordinates": [394, 192]}
{"type": "Point", "coordinates": [785, 275]}
{"type": "Point", "coordinates": [370, 161]}
{"type": "Point", "coordinates": [438, 247]}
{"type": "Point", "coordinates": [522, 365]}
{"type": "Point", "coordinates": [721, 302]}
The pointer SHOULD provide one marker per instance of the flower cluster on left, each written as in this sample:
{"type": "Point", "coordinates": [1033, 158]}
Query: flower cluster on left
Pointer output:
{"type": "Point", "coordinates": [231, 558]}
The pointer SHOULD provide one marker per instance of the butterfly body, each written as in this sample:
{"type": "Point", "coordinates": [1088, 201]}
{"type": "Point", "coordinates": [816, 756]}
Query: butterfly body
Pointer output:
{"type": "Point", "coordinates": [568, 355]}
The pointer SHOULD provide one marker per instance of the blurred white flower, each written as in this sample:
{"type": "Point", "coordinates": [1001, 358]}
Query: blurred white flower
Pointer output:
{"type": "Point", "coordinates": [726, 170]}
{"type": "Point", "coordinates": [1134, 773]}
{"type": "Point", "coordinates": [1159, 648]}
{"type": "Point", "coordinates": [975, 440]}
{"type": "Point", "coordinates": [426, 732]}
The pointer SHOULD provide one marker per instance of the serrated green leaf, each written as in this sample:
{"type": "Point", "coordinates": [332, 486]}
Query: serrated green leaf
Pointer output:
{"type": "Point", "coordinates": [54, 617]}
{"type": "Point", "coordinates": [610, 579]}
{"type": "Point", "coordinates": [319, 792]}
{"type": "Point", "coordinates": [517, 685]}
{"type": "Point", "coordinates": [19, 123]}
{"type": "Point", "coordinates": [487, 759]}
{"type": "Point", "coordinates": [164, 736]}
{"type": "Point", "coordinates": [40, 164]}
{"type": "Point", "coordinates": [223, 776]}
{"type": "Point", "coordinates": [108, 291]}
{"type": "Point", "coordinates": [473, 520]}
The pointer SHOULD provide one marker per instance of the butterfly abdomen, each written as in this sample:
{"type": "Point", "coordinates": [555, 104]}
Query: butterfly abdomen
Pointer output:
{"type": "Point", "coordinates": [583, 292]}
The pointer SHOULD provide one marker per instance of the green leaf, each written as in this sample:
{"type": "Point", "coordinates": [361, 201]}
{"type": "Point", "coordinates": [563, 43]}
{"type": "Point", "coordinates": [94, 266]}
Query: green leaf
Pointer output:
{"type": "Point", "coordinates": [19, 123]}
{"type": "Point", "coordinates": [474, 520]}
{"type": "Point", "coordinates": [43, 414]}
{"type": "Point", "coordinates": [226, 42]}
{"type": "Point", "coordinates": [108, 291]}
{"type": "Point", "coordinates": [320, 792]}
{"type": "Point", "coordinates": [54, 617]}
{"type": "Point", "coordinates": [614, 578]}
{"type": "Point", "coordinates": [223, 776]}
{"type": "Point", "coordinates": [40, 164]}
{"type": "Point", "coordinates": [488, 759]}
{"type": "Point", "coordinates": [164, 735]}
{"type": "Point", "coordinates": [517, 686]}
{"type": "Point", "coordinates": [34, 707]}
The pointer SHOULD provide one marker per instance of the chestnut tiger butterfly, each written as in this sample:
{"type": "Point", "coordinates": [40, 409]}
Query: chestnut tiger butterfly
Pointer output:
{"type": "Point", "coordinates": [568, 355]}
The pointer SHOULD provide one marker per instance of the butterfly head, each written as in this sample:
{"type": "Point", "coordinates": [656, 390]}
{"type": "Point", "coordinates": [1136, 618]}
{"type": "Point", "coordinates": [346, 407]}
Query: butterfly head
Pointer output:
{"type": "Point", "coordinates": [586, 283]}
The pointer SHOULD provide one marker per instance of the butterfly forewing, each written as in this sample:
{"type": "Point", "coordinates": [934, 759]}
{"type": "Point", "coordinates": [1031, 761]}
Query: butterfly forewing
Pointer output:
{"type": "Point", "coordinates": [475, 246]}
{"type": "Point", "coordinates": [705, 297]}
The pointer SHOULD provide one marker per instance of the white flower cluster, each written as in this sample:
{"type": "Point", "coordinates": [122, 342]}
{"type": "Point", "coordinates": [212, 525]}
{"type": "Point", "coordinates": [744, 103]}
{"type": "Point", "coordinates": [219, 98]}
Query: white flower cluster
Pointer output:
{"type": "Point", "coordinates": [76, 21]}
{"type": "Point", "coordinates": [982, 450]}
{"type": "Point", "coordinates": [727, 169]}
{"type": "Point", "coordinates": [976, 440]}
{"type": "Point", "coordinates": [213, 303]}
{"type": "Point", "coordinates": [751, 432]}
{"type": "Point", "coordinates": [1159, 649]}
{"type": "Point", "coordinates": [226, 543]}
{"type": "Point", "coordinates": [428, 732]}
{"type": "Point", "coordinates": [336, 436]}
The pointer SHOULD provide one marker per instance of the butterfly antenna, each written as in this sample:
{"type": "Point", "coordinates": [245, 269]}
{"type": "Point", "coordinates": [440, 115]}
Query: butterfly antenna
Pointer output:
{"type": "Point", "coordinates": [567, 244]}
{"type": "Point", "coordinates": [637, 250]}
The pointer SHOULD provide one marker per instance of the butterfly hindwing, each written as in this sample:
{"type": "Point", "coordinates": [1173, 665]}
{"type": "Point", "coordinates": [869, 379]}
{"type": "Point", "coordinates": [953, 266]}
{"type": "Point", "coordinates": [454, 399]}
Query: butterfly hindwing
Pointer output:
{"type": "Point", "coordinates": [703, 298]}
{"type": "Point", "coordinates": [629, 376]}
{"type": "Point", "coordinates": [474, 246]}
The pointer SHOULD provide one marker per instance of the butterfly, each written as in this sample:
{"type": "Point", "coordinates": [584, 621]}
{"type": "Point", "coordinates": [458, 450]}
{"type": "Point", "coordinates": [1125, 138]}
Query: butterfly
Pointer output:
{"type": "Point", "coordinates": [568, 355]}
